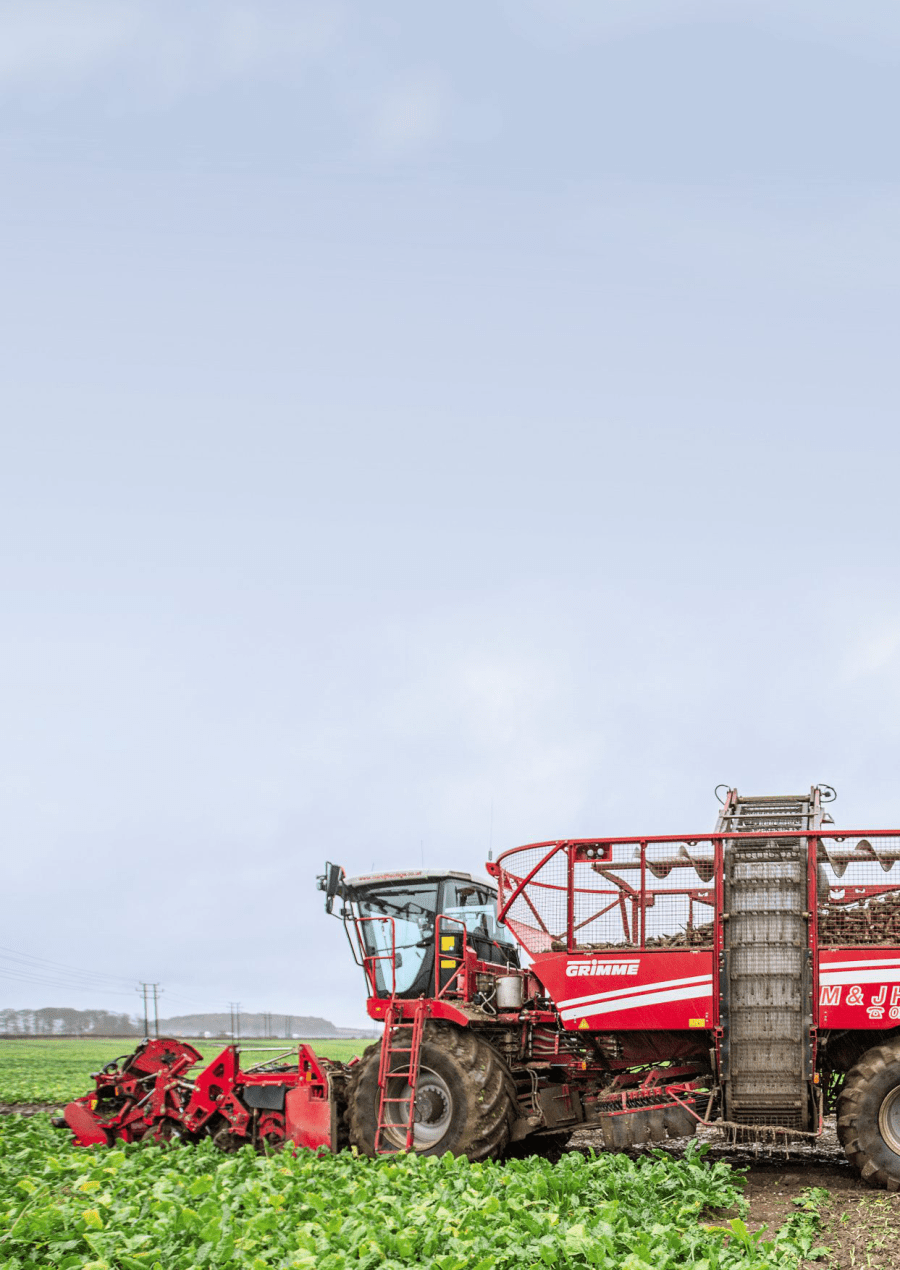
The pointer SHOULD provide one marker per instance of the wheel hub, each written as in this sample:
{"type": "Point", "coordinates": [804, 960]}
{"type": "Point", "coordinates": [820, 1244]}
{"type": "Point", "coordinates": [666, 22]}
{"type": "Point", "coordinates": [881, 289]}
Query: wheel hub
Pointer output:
{"type": "Point", "coordinates": [429, 1106]}
{"type": "Point", "coordinates": [433, 1111]}
{"type": "Point", "coordinates": [889, 1120]}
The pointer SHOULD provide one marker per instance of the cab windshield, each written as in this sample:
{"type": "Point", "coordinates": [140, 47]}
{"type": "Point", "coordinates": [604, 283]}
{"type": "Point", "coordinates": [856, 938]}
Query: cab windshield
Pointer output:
{"type": "Point", "coordinates": [412, 907]}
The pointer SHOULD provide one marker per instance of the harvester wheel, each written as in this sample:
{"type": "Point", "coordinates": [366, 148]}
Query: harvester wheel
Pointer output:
{"type": "Point", "coordinates": [868, 1116]}
{"type": "Point", "coordinates": [465, 1098]}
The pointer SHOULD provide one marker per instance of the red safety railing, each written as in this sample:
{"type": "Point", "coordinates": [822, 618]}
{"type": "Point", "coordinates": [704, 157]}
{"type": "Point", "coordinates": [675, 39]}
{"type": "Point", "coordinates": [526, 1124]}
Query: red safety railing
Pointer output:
{"type": "Point", "coordinates": [664, 892]}
{"type": "Point", "coordinates": [370, 960]}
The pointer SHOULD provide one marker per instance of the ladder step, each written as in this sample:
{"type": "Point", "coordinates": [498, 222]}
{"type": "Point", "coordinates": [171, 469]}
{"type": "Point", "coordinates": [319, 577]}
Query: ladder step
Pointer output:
{"type": "Point", "coordinates": [401, 1037]}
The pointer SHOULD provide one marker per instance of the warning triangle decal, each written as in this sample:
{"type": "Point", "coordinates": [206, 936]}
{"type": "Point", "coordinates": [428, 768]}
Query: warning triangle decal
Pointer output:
{"type": "Point", "coordinates": [583, 1024]}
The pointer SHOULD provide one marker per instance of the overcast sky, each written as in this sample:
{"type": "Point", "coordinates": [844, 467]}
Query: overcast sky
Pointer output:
{"type": "Point", "coordinates": [426, 428]}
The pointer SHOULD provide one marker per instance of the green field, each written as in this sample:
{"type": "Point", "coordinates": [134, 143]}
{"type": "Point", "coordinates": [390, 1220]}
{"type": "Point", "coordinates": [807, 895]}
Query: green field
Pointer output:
{"type": "Point", "coordinates": [145, 1207]}
{"type": "Point", "coordinates": [48, 1070]}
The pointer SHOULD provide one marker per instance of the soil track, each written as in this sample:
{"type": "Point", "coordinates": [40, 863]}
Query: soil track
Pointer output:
{"type": "Point", "coordinates": [861, 1226]}
{"type": "Point", "coordinates": [28, 1108]}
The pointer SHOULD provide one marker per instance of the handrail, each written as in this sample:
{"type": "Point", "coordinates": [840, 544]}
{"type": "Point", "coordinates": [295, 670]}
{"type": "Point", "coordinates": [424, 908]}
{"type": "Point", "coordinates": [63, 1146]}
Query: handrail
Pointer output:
{"type": "Point", "coordinates": [554, 847]}
{"type": "Point", "coordinates": [385, 956]}
{"type": "Point", "coordinates": [691, 839]}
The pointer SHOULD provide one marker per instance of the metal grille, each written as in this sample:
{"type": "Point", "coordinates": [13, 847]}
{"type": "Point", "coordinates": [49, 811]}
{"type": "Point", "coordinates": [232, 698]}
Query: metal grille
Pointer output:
{"type": "Point", "coordinates": [859, 890]}
{"type": "Point", "coordinates": [766, 1005]}
{"type": "Point", "coordinates": [656, 895]}
{"type": "Point", "coordinates": [680, 894]}
{"type": "Point", "coordinates": [538, 916]}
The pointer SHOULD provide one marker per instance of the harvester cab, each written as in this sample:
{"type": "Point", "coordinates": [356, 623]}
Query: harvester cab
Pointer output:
{"type": "Point", "coordinates": [396, 923]}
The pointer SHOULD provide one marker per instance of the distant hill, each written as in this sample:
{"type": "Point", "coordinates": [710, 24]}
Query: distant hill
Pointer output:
{"type": "Point", "coordinates": [262, 1025]}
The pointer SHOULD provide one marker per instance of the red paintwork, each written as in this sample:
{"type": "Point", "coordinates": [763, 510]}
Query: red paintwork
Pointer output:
{"type": "Point", "coordinates": [85, 1125]}
{"type": "Point", "coordinates": [377, 1009]}
{"type": "Point", "coordinates": [214, 1091]}
{"type": "Point", "coordinates": [859, 988]}
{"type": "Point", "coordinates": [309, 1108]}
{"type": "Point", "coordinates": [151, 1091]}
{"type": "Point", "coordinates": [612, 992]}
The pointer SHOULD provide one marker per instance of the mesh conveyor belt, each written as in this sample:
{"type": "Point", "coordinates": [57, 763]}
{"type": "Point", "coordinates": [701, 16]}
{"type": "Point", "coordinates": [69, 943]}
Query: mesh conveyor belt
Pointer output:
{"type": "Point", "coordinates": [766, 982]}
{"type": "Point", "coordinates": [786, 813]}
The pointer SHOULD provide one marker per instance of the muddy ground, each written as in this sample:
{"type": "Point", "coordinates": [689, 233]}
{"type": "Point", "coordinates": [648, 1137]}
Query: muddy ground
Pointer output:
{"type": "Point", "coordinates": [861, 1226]}
{"type": "Point", "coordinates": [27, 1108]}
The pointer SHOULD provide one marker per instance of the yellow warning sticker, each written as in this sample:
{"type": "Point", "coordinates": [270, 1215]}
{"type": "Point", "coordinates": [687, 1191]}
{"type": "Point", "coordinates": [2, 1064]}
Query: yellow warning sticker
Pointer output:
{"type": "Point", "coordinates": [696, 1022]}
{"type": "Point", "coordinates": [447, 943]}
{"type": "Point", "coordinates": [447, 965]}
{"type": "Point", "coordinates": [583, 1024]}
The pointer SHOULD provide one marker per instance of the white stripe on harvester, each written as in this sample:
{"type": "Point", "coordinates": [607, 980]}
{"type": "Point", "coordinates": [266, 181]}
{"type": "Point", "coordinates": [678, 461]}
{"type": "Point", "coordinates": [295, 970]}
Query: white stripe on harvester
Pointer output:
{"type": "Point", "coordinates": [649, 998]}
{"type": "Point", "coordinates": [628, 992]}
{"type": "Point", "coordinates": [890, 975]}
{"type": "Point", "coordinates": [849, 965]}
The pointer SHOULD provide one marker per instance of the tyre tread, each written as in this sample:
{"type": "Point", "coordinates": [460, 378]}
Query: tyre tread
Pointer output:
{"type": "Point", "coordinates": [854, 1120]}
{"type": "Point", "coordinates": [481, 1067]}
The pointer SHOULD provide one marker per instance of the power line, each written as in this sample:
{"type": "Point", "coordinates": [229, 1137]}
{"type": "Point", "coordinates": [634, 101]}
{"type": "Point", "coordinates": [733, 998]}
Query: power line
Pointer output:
{"type": "Point", "coordinates": [47, 965]}
{"type": "Point", "coordinates": [24, 976]}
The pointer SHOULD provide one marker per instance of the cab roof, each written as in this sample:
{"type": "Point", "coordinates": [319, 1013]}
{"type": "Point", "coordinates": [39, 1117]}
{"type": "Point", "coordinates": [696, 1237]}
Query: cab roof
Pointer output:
{"type": "Point", "coordinates": [417, 875]}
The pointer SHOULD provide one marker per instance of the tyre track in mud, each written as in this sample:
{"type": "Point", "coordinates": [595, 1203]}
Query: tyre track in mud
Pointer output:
{"type": "Point", "coordinates": [860, 1224]}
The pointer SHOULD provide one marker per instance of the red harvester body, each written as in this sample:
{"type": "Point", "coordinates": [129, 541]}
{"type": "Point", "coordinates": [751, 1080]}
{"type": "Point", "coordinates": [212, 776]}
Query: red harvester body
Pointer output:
{"type": "Point", "coordinates": [747, 979]}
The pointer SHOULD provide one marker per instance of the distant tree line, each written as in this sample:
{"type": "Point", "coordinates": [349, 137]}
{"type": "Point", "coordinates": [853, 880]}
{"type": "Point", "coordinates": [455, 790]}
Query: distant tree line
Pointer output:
{"type": "Point", "coordinates": [64, 1022]}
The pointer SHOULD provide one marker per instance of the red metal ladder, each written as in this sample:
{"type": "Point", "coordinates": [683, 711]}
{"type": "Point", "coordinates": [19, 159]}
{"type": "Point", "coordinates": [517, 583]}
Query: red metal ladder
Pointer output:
{"type": "Point", "coordinates": [400, 1037]}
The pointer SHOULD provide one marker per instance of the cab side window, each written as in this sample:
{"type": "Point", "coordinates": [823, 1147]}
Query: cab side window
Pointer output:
{"type": "Point", "coordinates": [476, 906]}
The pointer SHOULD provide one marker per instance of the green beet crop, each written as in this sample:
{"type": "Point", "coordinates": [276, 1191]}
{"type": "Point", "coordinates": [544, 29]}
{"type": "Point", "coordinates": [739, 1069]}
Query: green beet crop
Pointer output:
{"type": "Point", "coordinates": [56, 1070]}
{"type": "Point", "coordinates": [145, 1207]}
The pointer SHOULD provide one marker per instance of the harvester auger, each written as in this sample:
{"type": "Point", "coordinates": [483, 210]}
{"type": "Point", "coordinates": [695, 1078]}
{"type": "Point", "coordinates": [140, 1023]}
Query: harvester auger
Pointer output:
{"type": "Point", "coordinates": [747, 980]}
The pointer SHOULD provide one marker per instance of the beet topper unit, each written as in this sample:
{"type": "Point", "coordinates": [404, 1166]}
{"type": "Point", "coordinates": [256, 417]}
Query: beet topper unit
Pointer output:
{"type": "Point", "coordinates": [746, 979]}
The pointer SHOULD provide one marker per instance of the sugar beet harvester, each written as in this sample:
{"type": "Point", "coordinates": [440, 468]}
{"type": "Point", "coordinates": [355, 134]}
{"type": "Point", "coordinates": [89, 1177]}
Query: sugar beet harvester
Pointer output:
{"type": "Point", "coordinates": [747, 979]}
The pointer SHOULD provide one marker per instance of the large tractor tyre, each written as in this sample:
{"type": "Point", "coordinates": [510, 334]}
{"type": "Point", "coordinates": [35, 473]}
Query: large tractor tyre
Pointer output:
{"type": "Point", "coordinates": [868, 1116]}
{"type": "Point", "coordinates": [465, 1098]}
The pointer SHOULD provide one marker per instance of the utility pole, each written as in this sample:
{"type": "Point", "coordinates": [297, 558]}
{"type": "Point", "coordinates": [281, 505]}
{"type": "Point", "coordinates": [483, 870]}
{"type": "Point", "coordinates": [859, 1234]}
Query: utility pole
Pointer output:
{"type": "Point", "coordinates": [145, 989]}
{"type": "Point", "coordinates": [235, 1020]}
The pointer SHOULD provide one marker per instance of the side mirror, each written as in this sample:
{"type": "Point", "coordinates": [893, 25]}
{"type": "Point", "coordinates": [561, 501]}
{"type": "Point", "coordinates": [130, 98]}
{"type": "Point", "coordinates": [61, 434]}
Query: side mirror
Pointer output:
{"type": "Point", "coordinates": [330, 883]}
